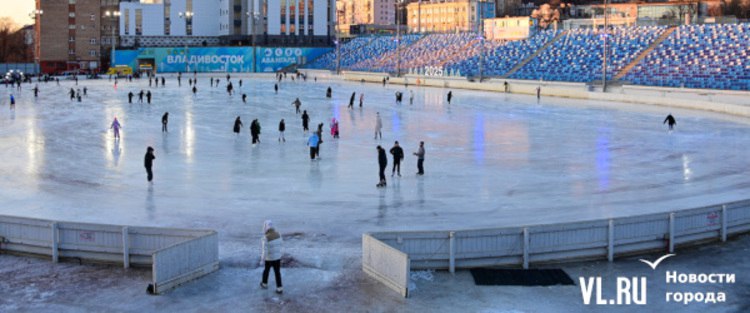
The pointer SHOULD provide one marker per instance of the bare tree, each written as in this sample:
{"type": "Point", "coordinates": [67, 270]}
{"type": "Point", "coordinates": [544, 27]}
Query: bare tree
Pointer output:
{"type": "Point", "coordinates": [13, 49]}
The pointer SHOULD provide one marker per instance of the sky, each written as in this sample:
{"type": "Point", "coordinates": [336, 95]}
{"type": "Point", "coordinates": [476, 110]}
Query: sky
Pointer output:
{"type": "Point", "coordinates": [18, 10]}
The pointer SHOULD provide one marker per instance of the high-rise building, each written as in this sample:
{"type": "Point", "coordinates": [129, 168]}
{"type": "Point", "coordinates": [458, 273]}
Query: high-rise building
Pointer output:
{"type": "Point", "coordinates": [449, 15]}
{"type": "Point", "coordinates": [364, 12]}
{"type": "Point", "coordinates": [69, 35]}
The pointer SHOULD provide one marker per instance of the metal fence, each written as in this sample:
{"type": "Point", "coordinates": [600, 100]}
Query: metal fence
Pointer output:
{"type": "Point", "coordinates": [175, 255]}
{"type": "Point", "coordinates": [522, 246]}
{"type": "Point", "coordinates": [28, 68]}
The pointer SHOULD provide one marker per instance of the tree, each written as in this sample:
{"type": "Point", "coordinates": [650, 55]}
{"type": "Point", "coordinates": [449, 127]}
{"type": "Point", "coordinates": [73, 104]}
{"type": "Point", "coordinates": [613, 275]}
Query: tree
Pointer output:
{"type": "Point", "coordinates": [13, 49]}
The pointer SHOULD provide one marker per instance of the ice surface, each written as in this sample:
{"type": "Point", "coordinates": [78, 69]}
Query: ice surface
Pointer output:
{"type": "Point", "coordinates": [492, 160]}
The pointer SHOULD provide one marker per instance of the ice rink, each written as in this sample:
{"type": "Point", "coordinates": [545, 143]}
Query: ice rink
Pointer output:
{"type": "Point", "coordinates": [491, 160]}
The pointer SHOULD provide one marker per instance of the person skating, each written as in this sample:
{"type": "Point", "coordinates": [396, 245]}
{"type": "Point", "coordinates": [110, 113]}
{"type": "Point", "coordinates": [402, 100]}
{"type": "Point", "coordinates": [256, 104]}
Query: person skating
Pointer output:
{"type": "Point", "coordinates": [240, 83]}
{"type": "Point", "coordinates": [296, 105]}
{"type": "Point", "coordinates": [164, 122]}
{"type": "Point", "coordinates": [383, 81]}
{"type": "Point", "coordinates": [271, 246]}
{"type": "Point", "coordinates": [313, 142]}
{"type": "Point", "coordinates": [276, 88]}
{"type": "Point", "coordinates": [383, 163]}
{"type": "Point", "coordinates": [130, 97]}
{"type": "Point", "coordinates": [351, 100]}
{"type": "Point", "coordinates": [334, 128]}
{"type": "Point", "coordinates": [237, 126]}
{"type": "Point", "coordinates": [320, 139]}
{"type": "Point", "coordinates": [399, 96]}
{"type": "Point", "coordinates": [195, 90]}
{"type": "Point", "coordinates": [140, 96]}
{"type": "Point", "coordinates": [85, 90]}
{"type": "Point", "coordinates": [150, 82]}
{"type": "Point", "coordinates": [398, 155]}
{"type": "Point", "coordinates": [506, 86]}
{"type": "Point", "coordinates": [378, 126]}
{"type": "Point", "coordinates": [450, 96]}
{"type": "Point", "coordinates": [305, 121]}
{"type": "Point", "coordinates": [255, 131]}
{"type": "Point", "coordinates": [282, 128]}
{"type": "Point", "coordinates": [12, 103]}
{"type": "Point", "coordinates": [148, 162]}
{"type": "Point", "coordinates": [162, 81]}
{"type": "Point", "coordinates": [72, 94]}
{"type": "Point", "coordinates": [116, 127]}
{"type": "Point", "coordinates": [148, 96]}
{"type": "Point", "coordinates": [230, 88]}
{"type": "Point", "coordinates": [329, 92]}
{"type": "Point", "coordinates": [36, 91]}
{"type": "Point", "coordinates": [538, 92]}
{"type": "Point", "coordinates": [411, 97]}
{"type": "Point", "coordinates": [420, 158]}
{"type": "Point", "coordinates": [361, 99]}
{"type": "Point", "coordinates": [244, 98]}
{"type": "Point", "coordinates": [212, 81]}
{"type": "Point", "coordinates": [670, 121]}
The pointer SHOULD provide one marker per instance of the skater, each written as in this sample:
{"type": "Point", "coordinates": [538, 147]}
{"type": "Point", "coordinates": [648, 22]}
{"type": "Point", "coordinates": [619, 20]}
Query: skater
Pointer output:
{"type": "Point", "coordinates": [506, 86]}
{"type": "Point", "coordinates": [190, 81]}
{"type": "Point", "coordinates": [383, 81]}
{"type": "Point", "coordinates": [12, 103]}
{"type": "Point", "coordinates": [313, 142]}
{"type": "Point", "coordinates": [148, 162]}
{"type": "Point", "coordinates": [670, 121]}
{"type": "Point", "coordinates": [130, 97]}
{"type": "Point", "coordinates": [282, 128]}
{"type": "Point", "coordinates": [361, 99]}
{"type": "Point", "coordinates": [383, 163]}
{"type": "Point", "coordinates": [116, 127]}
{"type": "Point", "coordinates": [78, 97]}
{"type": "Point", "coordinates": [276, 88]}
{"type": "Point", "coordinates": [450, 96]}
{"type": "Point", "coordinates": [351, 100]}
{"type": "Point", "coordinates": [140, 96]}
{"type": "Point", "coordinates": [329, 92]}
{"type": "Point", "coordinates": [271, 255]}
{"type": "Point", "coordinates": [228, 77]}
{"type": "Point", "coordinates": [164, 121]}
{"type": "Point", "coordinates": [305, 121]}
{"type": "Point", "coordinates": [36, 91]}
{"type": "Point", "coordinates": [320, 140]}
{"type": "Point", "coordinates": [230, 88]}
{"type": "Point", "coordinates": [399, 96]}
{"type": "Point", "coordinates": [237, 126]}
{"type": "Point", "coordinates": [85, 91]}
{"type": "Point", "coordinates": [212, 81]}
{"type": "Point", "coordinates": [334, 128]}
{"type": "Point", "coordinates": [162, 81]}
{"type": "Point", "coordinates": [411, 97]}
{"type": "Point", "coordinates": [378, 126]}
{"type": "Point", "coordinates": [148, 96]}
{"type": "Point", "coordinates": [538, 92]}
{"type": "Point", "coordinates": [255, 131]}
{"type": "Point", "coordinates": [420, 158]}
{"type": "Point", "coordinates": [398, 155]}
{"type": "Point", "coordinates": [244, 98]}
{"type": "Point", "coordinates": [240, 83]}
{"type": "Point", "coordinates": [296, 105]}
{"type": "Point", "coordinates": [149, 81]}
{"type": "Point", "coordinates": [72, 94]}
{"type": "Point", "coordinates": [195, 90]}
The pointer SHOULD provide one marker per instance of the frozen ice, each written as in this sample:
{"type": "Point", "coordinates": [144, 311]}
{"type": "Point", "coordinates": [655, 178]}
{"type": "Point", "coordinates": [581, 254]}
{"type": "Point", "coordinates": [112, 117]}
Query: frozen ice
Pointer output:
{"type": "Point", "coordinates": [492, 160]}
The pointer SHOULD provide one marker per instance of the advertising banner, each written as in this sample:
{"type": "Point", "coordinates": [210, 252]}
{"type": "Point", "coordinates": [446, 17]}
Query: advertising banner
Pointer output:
{"type": "Point", "coordinates": [217, 59]}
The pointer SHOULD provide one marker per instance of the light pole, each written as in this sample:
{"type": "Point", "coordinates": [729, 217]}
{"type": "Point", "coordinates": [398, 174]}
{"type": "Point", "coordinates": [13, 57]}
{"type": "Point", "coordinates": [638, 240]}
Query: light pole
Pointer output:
{"type": "Point", "coordinates": [188, 16]}
{"type": "Point", "coordinates": [37, 15]}
{"type": "Point", "coordinates": [480, 30]}
{"type": "Point", "coordinates": [112, 15]}
{"type": "Point", "coordinates": [398, 38]}
{"type": "Point", "coordinates": [253, 16]}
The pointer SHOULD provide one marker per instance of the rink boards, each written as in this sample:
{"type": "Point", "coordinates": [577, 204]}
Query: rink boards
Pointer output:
{"type": "Point", "coordinates": [174, 255]}
{"type": "Point", "coordinates": [522, 246]}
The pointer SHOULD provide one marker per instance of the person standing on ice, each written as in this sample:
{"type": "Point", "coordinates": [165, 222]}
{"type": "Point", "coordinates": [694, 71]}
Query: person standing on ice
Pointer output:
{"type": "Point", "coordinates": [313, 142]}
{"type": "Point", "coordinates": [329, 92]}
{"type": "Point", "coordinates": [271, 246]}
{"type": "Point", "coordinates": [164, 122]}
{"type": "Point", "coordinates": [420, 158]}
{"type": "Point", "coordinates": [276, 88]}
{"type": "Point", "coordinates": [148, 96]}
{"type": "Point", "coordinates": [305, 121]}
{"type": "Point", "coordinates": [538, 92]}
{"type": "Point", "coordinates": [195, 90]}
{"type": "Point", "coordinates": [670, 121]}
{"type": "Point", "coordinates": [130, 97]}
{"type": "Point", "coordinates": [255, 131]}
{"type": "Point", "coordinates": [140, 96]}
{"type": "Point", "coordinates": [36, 91]}
{"type": "Point", "coordinates": [450, 96]}
{"type": "Point", "coordinates": [237, 126]}
{"type": "Point", "coordinates": [116, 127]}
{"type": "Point", "coordinates": [72, 94]}
{"type": "Point", "coordinates": [148, 162]}
{"type": "Point", "coordinates": [334, 128]}
{"type": "Point", "coordinates": [361, 99]}
{"type": "Point", "coordinates": [378, 126]}
{"type": "Point", "coordinates": [244, 98]}
{"type": "Point", "coordinates": [320, 139]}
{"type": "Point", "coordinates": [351, 100]}
{"type": "Point", "coordinates": [282, 128]}
{"type": "Point", "coordinates": [398, 155]}
{"type": "Point", "coordinates": [12, 103]}
{"type": "Point", "coordinates": [162, 81]}
{"type": "Point", "coordinates": [411, 97]}
{"type": "Point", "coordinates": [296, 105]}
{"type": "Point", "coordinates": [383, 163]}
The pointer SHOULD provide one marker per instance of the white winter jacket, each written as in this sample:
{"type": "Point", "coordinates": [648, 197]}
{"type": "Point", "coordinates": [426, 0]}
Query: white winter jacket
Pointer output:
{"type": "Point", "coordinates": [272, 246]}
